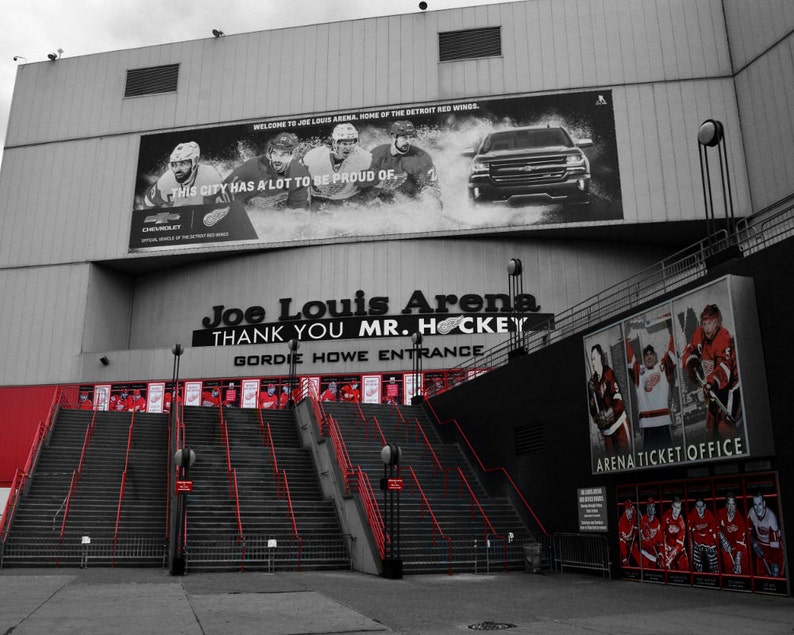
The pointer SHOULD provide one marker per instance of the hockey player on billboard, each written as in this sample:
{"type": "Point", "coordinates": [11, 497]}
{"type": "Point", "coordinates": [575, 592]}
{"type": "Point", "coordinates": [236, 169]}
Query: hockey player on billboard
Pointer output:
{"type": "Point", "coordinates": [607, 408]}
{"type": "Point", "coordinates": [85, 403]}
{"type": "Point", "coordinates": [411, 170]}
{"type": "Point", "coordinates": [652, 377]}
{"type": "Point", "coordinates": [121, 401]}
{"type": "Point", "coordinates": [628, 533]}
{"type": "Point", "coordinates": [703, 536]}
{"type": "Point", "coordinates": [268, 399]}
{"type": "Point", "coordinates": [732, 533]}
{"type": "Point", "coordinates": [710, 360]}
{"type": "Point", "coordinates": [341, 172]}
{"type": "Point", "coordinates": [350, 392]}
{"type": "Point", "coordinates": [330, 393]}
{"type": "Point", "coordinates": [674, 533]}
{"type": "Point", "coordinates": [185, 180]}
{"type": "Point", "coordinates": [765, 539]}
{"type": "Point", "coordinates": [274, 180]}
{"type": "Point", "coordinates": [651, 537]}
{"type": "Point", "coordinates": [211, 397]}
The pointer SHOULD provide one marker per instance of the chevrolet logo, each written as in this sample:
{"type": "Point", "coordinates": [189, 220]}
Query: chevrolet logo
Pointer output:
{"type": "Point", "coordinates": [526, 168]}
{"type": "Point", "coordinates": [162, 218]}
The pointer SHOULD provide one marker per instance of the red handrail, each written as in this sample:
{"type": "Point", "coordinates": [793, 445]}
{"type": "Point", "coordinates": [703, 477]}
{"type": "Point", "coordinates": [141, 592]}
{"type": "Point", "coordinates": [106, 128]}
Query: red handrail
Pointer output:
{"type": "Point", "coordinates": [20, 477]}
{"type": "Point", "coordinates": [435, 526]}
{"type": "Point", "coordinates": [371, 509]}
{"type": "Point", "coordinates": [240, 534]}
{"type": "Point", "coordinates": [340, 450]}
{"type": "Point", "coordinates": [273, 459]}
{"type": "Point", "coordinates": [72, 488]}
{"type": "Point", "coordinates": [122, 489]}
{"type": "Point", "coordinates": [362, 483]}
{"type": "Point", "coordinates": [488, 470]}
{"type": "Point", "coordinates": [291, 515]}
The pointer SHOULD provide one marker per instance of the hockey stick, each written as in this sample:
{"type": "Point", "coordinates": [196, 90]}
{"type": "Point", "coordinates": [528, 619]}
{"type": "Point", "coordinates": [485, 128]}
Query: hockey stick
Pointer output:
{"type": "Point", "coordinates": [713, 397]}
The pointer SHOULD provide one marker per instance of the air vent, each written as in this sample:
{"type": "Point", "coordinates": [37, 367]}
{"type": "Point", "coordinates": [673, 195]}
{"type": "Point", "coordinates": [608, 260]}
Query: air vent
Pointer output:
{"type": "Point", "coordinates": [529, 439]}
{"type": "Point", "coordinates": [468, 44]}
{"type": "Point", "coordinates": [152, 80]}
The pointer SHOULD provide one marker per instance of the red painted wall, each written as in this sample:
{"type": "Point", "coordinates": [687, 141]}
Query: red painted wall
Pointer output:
{"type": "Point", "coordinates": [22, 408]}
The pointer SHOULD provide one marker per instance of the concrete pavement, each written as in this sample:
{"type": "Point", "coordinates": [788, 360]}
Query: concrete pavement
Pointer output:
{"type": "Point", "coordinates": [106, 601]}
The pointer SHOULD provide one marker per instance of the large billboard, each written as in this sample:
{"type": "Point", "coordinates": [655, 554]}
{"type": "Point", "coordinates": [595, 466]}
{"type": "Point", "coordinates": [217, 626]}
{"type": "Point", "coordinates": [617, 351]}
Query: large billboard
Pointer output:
{"type": "Point", "coordinates": [497, 165]}
{"type": "Point", "coordinates": [724, 532]}
{"type": "Point", "coordinates": [682, 382]}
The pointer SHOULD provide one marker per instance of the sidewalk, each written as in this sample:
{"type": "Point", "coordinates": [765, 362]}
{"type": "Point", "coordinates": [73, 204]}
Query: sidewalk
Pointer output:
{"type": "Point", "coordinates": [104, 601]}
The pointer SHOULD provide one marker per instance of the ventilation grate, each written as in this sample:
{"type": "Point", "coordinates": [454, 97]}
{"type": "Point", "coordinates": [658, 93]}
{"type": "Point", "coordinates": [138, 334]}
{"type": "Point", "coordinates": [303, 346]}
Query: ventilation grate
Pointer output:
{"type": "Point", "coordinates": [528, 439]}
{"type": "Point", "coordinates": [152, 80]}
{"type": "Point", "coordinates": [471, 43]}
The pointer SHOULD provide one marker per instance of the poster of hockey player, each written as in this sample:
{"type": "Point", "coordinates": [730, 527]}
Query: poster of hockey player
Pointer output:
{"type": "Point", "coordinates": [732, 536]}
{"type": "Point", "coordinates": [711, 391]}
{"type": "Point", "coordinates": [765, 538]}
{"type": "Point", "coordinates": [674, 374]}
{"type": "Point", "coordinates": [611, 433]}
{"type": "Point", "coordinates": [426, 169]}
{"type": "Point", "coordinates": [654, 399]}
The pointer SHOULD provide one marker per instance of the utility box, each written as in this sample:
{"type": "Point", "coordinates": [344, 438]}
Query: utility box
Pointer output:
{"type": "Point", "coordinates": [533, 553]}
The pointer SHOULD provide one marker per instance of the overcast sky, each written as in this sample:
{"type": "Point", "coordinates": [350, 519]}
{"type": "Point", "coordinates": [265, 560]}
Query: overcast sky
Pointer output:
{"type": "Point", "coordinates": [34, 28]}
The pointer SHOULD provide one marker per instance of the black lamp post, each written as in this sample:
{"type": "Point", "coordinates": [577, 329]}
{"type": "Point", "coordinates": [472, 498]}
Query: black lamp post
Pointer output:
{"type": "Point", "coordinates": [184, 458]}
{"type": "Point", "coordinates": [177, 351]}
{"type": "Point", "coordinates": [515, 283]}
{"type": "Point", "coordinates": [417, 397]}
{"type": "Point", "coordinates": [392, 485]}
{"type": "Point", "coordinates": [293, 346]}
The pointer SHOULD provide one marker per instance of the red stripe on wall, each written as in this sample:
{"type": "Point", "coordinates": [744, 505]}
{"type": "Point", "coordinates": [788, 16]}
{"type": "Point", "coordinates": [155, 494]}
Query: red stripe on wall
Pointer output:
{"type": "Point", "coordinates": [22, 408]}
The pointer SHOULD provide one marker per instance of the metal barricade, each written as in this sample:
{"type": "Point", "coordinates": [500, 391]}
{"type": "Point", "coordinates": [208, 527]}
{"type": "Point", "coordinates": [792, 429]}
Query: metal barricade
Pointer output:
{"type": "Point", "coordinates": [582, 551]}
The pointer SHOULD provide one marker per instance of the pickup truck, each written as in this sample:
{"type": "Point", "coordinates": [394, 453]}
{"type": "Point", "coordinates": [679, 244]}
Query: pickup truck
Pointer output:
{"type": "Point", "coordinates": [531, 164]}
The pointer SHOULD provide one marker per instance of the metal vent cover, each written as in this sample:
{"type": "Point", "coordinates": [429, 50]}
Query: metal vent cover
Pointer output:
{"type": "Point", "coordinates": [152, 80]}
{"type": "Point", "coordinates": [529, 439]}
{"type": "Point", "coordinates": [469, 44]}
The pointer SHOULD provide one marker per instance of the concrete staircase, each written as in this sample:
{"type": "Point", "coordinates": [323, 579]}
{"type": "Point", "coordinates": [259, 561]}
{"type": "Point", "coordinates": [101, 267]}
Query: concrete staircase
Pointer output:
{"type": "Point", "coordinates": [458, 501]}
{"type": "Point", "coordinates": [266, 539]}
{"type": "Point", "coordinates": [39, 535]}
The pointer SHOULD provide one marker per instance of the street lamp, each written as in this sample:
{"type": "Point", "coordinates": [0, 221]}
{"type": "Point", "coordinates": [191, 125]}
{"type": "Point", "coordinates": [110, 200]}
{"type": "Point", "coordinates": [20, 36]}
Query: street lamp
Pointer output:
{"type": "Point", "coordinates": [417, 397]}
{"type": "Point", "coordinates": [293, 345]}
{"type": "Point", "coordinates": [173, 418]}
{"type": "Point", "coordinates": [515, 284]}
{"type": "Point", "coordinates": [184, 458]}
{"type": "Point", "coordinates": [392, 485]}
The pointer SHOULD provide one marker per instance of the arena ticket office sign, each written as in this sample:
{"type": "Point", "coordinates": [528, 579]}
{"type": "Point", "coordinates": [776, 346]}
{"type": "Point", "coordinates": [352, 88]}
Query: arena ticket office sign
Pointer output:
{"type": "Point", "coordinates": [265, 182]}
{"type": "Point", "coordinates": [723, 532]}
{"type": "Point", "coordinates": [680, 383]}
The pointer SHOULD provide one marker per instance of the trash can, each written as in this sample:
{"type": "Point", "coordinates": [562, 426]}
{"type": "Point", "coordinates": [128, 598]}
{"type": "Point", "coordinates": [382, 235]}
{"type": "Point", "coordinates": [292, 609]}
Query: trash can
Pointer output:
{"type": "Point", "coordinates": [532, 557]}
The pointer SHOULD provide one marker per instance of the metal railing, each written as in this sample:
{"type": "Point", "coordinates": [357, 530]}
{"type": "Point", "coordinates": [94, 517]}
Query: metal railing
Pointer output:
{"type": "Point", "coordinates": [123, 486]}
{"type": "Point", "coordinates": [538, 526]}
{"type": "Point", "coordinates": [582, 551]}
{"type": "Point", "coordinates": [59, 399]}
{"type": "Point", "coordinates": [750, 235]}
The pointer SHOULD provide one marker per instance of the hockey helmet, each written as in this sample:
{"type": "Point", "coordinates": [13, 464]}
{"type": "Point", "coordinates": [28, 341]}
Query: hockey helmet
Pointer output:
{"type": "Point", "coordinates": [402, 128]}
{"type": "Point", "coordinates": [285, 141]}
{"type": "Point", "coordinates": [343, 139]}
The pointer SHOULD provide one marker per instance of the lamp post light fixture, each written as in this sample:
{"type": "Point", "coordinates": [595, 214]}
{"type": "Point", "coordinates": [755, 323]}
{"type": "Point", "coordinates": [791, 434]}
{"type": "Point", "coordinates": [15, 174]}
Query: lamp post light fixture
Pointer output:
{"type": "Point", "coordinates": [392, 485]}
{"type": "Point", "coordinates": [515, 284]}
{"type": "Point", "coordinates": [175, 566]}
{"type": "Point", "coordinates": [184, 458]}
{"type": "Point", "coordinates": [416, 339]}
{"type": "Point", "coordinates": [293, 345]}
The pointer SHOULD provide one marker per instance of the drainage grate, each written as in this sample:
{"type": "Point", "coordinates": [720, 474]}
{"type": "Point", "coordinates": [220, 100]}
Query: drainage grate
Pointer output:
{"type": "Point", "coordinates": [491, 626]}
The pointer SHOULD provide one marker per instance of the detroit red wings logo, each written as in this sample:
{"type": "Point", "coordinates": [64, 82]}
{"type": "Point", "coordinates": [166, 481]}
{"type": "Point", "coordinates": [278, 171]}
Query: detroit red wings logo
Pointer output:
{"type": "Point", "coordinates": [652, 381]}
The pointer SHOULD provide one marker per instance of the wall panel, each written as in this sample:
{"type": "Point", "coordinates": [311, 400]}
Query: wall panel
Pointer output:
{"type": "Point", "coordinates": [41, 330]}
{"type": "Point", "coordinates": [755, 26]}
